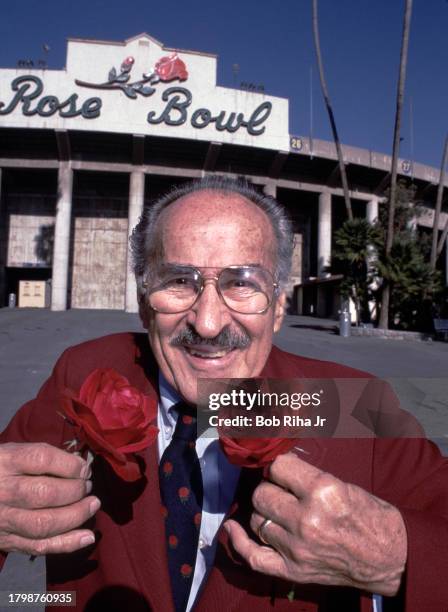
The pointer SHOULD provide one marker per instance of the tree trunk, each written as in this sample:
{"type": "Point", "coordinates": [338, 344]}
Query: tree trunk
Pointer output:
{"type": "Point", "coordinates": [435, 227]}
{"type": "Point", "coordinates": [326, 95]}
{"type": "Point", "coordinates": [442, 238]}
{"type": "Point", "coordinates": [385, 297]}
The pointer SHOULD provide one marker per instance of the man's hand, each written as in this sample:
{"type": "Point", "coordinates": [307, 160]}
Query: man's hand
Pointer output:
{"type": "Point", "coordinates": [323, 531]}
{"type": "Point", "coordinates": [42, 500]}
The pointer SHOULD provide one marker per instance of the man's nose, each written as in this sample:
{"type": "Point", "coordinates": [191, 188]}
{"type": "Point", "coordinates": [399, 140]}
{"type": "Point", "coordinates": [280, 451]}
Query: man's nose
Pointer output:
{"type": "Point", "coordinates": [209, 315]}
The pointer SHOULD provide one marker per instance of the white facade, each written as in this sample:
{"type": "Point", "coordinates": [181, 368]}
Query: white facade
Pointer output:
{"type": "Point", "coordinates": [92, 61]}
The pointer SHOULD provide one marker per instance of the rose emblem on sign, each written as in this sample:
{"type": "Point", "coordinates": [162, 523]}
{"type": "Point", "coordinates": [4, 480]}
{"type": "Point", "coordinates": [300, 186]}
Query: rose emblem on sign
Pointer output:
{"type": "Point", "coordinates": [170, 68]}
{"type": "Point", "coordinates": [167, 68]}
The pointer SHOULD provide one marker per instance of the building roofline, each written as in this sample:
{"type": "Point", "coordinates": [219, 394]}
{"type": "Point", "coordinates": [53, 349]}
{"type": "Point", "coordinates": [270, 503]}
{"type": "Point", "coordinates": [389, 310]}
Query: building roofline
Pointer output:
{"type": "Point", "coordinates": [123, 43]}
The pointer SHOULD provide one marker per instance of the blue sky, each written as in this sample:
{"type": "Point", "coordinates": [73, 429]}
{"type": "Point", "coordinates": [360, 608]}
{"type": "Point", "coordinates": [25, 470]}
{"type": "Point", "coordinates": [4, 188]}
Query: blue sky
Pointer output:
{"type": "Point", "coordinates": [272, 43]}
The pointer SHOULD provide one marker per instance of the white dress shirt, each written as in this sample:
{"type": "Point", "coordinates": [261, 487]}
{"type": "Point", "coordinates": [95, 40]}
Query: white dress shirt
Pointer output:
{"type": "Point", "coordinates": [219, 478]}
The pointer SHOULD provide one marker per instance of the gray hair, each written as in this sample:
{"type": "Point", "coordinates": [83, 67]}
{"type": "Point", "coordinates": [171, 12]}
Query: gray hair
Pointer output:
{"type": "Point", "coordinates": [144, 239]}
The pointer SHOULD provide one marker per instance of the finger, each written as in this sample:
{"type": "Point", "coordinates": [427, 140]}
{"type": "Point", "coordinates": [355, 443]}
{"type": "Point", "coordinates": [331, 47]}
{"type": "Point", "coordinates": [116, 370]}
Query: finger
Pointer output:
{"type": "Point", "coordinates": [292, 473]}
{"type": "Point", "coordinates": [64, 543]}
{"type": "Point", "coordinates": [48, 522]}
{"type": "Point", "coordinates": [42, 491]}
{"type": "Point", "coordinates": [260, 558]}
{"type": "Point", "coordinates": [41, 458]}
{"type": "Point", "coordinates": [272, 534]}
{"type": "Point", "coordinates": [282, 507]}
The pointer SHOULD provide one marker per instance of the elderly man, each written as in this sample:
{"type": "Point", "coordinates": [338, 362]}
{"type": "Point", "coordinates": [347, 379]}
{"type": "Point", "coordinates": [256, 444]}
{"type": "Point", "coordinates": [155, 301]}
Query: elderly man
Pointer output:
{"type": "Point", "coordinates": [350, 518]}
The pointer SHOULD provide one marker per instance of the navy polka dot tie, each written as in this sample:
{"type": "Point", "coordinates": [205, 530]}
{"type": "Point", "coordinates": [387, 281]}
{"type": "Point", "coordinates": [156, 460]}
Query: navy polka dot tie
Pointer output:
{"type": "Point", "coordinates": [181, 491]}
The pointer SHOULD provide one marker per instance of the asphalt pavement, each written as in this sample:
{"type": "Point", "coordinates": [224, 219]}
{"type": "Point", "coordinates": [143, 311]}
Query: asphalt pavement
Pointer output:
{"type": "Point", "coordinates": [32, 339]}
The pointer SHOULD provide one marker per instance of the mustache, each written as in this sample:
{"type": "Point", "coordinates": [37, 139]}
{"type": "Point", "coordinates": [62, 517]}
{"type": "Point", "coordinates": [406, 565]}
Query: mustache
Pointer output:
{"type": "Point", "coordinates": [227, 338]}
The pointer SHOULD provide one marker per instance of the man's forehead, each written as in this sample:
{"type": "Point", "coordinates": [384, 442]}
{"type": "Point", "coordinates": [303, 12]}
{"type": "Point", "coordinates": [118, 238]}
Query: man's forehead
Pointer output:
{"type": "Point", "coordinates": [205, 204]}
{"type": "Point", "coordinates": [216, 229]}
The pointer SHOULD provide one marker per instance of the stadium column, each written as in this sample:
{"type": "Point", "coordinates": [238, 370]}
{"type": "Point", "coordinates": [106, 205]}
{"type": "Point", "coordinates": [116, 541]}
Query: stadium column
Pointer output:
{"type": "Point", "coordinates": [371, 217]}
{"type": "Point", "coordinates": [372, 211]}
{"type": "Point", "coordinates": [61, 249]}
{"type": "Point", "coordinates": [136, 199]}
{"type": "Point", "coordinates": [324, 233]}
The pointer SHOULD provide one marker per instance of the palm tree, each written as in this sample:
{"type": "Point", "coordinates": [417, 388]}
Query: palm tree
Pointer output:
{"type": "Point", "coordinates": [326, 95]}
{"type": "Point", "coordinates": [435, 227]}
{"type": "Point", "coordinates": [442, 239]}
{"type": "Point", "coordinates": [385, 297]}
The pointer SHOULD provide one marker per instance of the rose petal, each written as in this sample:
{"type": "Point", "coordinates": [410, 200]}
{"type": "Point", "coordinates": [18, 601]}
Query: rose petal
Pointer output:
{"type": "Point", "coordinates": [130, 471]}
{"type": "Point", "coordinates": [254, 452]}
{"type": "Point", "coordinates": [150, 436]}
{"type": "Point", "coordinates": [90, 387]}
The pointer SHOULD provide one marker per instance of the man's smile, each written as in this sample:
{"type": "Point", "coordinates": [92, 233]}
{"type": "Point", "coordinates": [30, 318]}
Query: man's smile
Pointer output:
{"type": "Point", "coordinates": [208, 351]}
{"type": "Point", "coordinates": [210, 358]}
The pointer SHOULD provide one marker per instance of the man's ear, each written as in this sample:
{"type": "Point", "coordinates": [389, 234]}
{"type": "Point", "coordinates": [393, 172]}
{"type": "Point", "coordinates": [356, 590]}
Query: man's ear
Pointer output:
{"type": "Point", "coordinates": [279, 311]}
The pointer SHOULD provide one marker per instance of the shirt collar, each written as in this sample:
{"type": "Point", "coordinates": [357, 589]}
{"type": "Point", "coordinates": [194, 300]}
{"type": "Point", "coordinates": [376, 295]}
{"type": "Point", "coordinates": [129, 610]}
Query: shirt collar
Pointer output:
{"type": "Point", "coordinates": [168, 398]}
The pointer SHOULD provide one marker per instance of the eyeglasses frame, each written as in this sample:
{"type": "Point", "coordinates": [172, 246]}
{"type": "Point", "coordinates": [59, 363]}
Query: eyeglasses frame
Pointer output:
{"type": "Point", "coordinates": [215, 278]}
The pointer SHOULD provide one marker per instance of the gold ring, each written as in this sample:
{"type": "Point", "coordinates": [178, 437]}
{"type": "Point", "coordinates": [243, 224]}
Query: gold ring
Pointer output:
{"type": "Point", "coordinates": [262, 527]}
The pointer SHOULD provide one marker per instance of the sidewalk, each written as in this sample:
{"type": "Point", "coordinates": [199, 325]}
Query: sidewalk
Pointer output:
{"type": "Point", "coordinates": [32, 339]}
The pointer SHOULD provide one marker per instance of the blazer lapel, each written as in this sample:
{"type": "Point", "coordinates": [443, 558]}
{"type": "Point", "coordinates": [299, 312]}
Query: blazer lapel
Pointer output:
{"type": "Point", "coordinates": [230, 578]}
{"type": "Point", "coordinates": [144, 539]}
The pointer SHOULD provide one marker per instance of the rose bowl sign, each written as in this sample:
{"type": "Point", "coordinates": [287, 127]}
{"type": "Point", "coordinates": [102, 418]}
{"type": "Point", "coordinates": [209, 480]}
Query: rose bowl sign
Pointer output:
{"type": "Point", "coordinates": [177, 92]}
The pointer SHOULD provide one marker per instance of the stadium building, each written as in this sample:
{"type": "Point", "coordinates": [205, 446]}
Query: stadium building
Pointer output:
{"type": "Point", "coordinates": [83, 149]}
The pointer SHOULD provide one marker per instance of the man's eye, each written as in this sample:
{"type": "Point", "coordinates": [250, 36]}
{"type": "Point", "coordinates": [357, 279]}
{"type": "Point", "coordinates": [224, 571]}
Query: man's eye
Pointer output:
{"type": "Point", "coordinates": [242, 285]}
{"type": "Point", "coordinates": [180, 282]}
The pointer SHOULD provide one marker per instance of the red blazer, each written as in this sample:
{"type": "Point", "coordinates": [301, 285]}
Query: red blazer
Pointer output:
{"type": "Point", "coordinates": [126, 569]}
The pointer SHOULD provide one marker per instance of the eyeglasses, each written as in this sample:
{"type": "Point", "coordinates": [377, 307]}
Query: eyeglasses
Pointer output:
{"type": "Point", "coordinates": [245, 289]}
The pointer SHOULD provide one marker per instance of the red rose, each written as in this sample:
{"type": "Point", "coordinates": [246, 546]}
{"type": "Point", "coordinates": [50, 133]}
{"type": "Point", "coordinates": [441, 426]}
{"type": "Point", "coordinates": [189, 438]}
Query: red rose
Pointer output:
{"type": "Point", "coordinates": [172, 67]}
{"type": "Point", "coordinates": [255, 452]}
{"type": "Point", "coordinates": [113, 419]}
{"type": "Point", "coordinates": [173, 541]}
